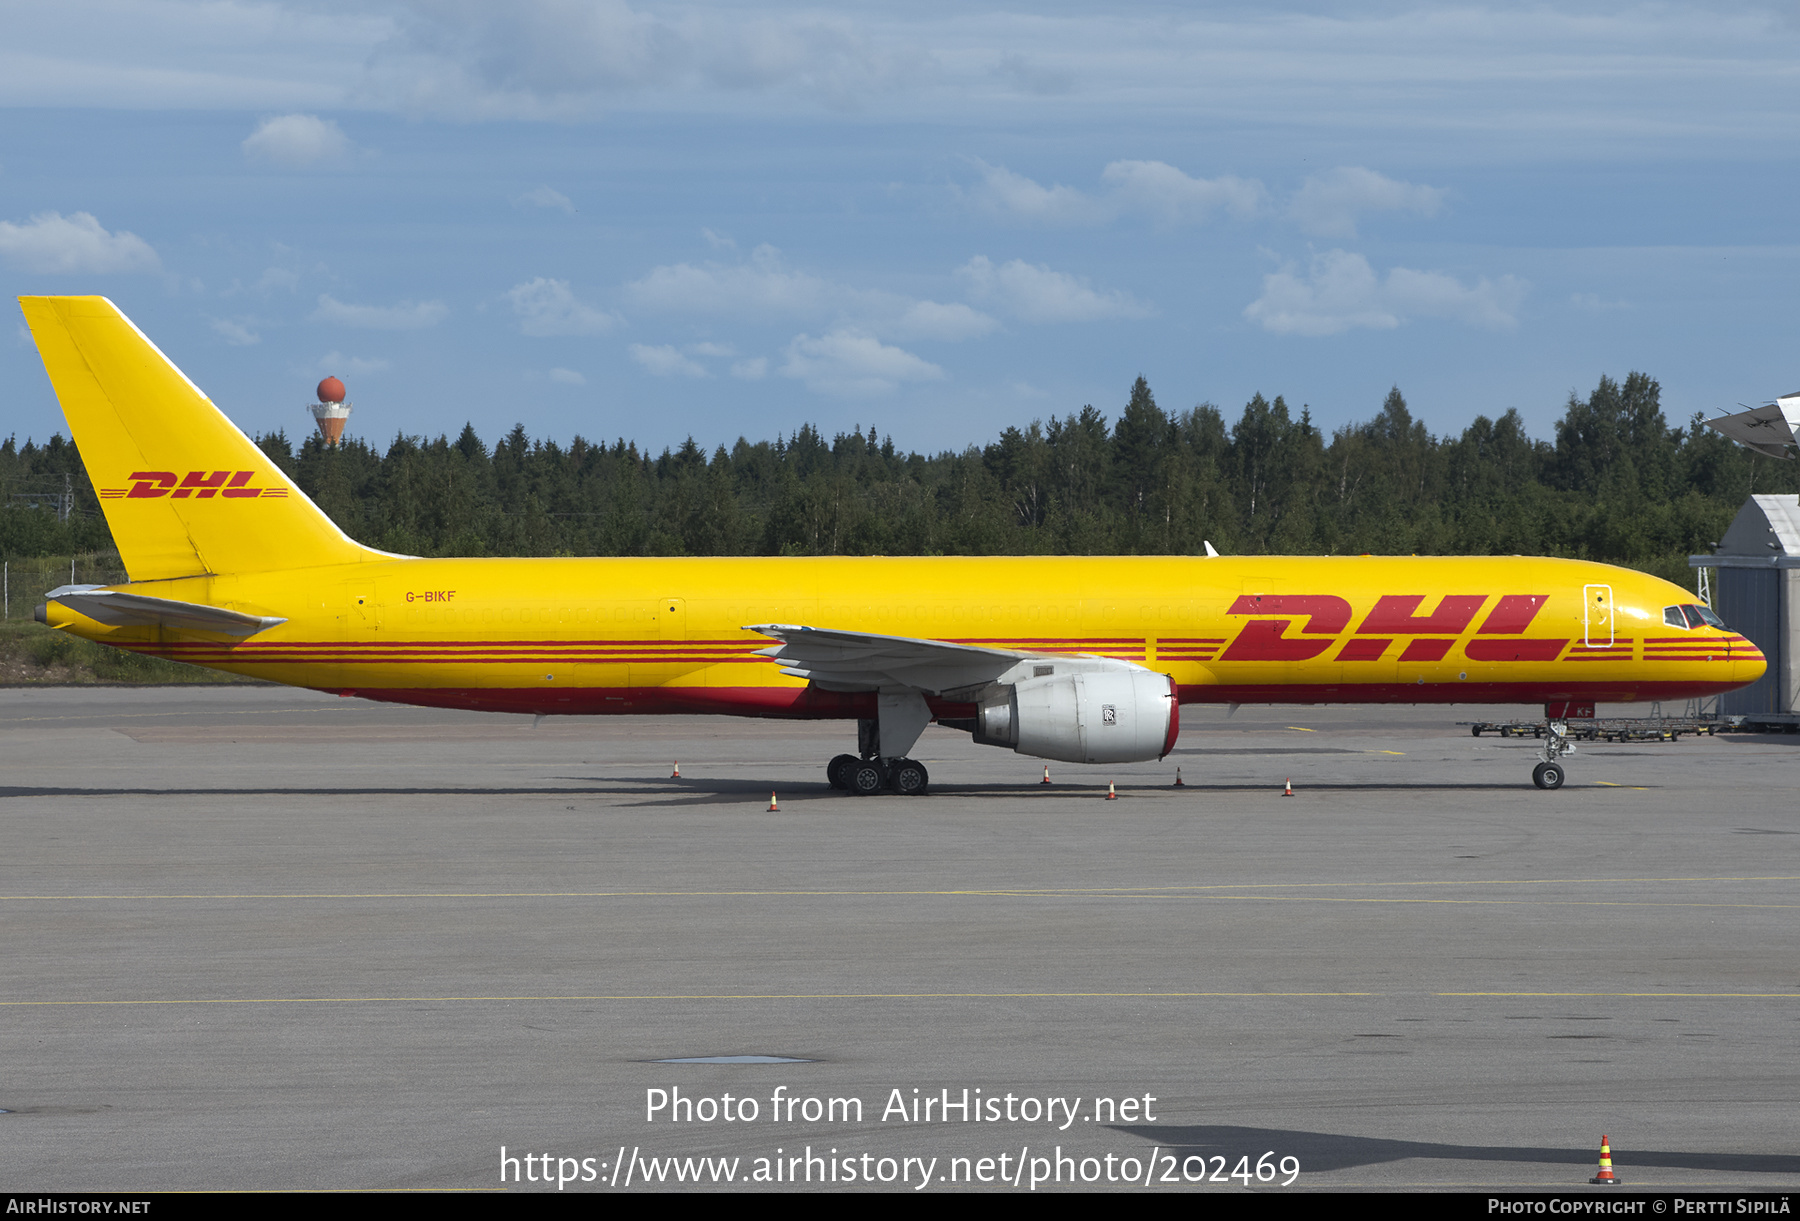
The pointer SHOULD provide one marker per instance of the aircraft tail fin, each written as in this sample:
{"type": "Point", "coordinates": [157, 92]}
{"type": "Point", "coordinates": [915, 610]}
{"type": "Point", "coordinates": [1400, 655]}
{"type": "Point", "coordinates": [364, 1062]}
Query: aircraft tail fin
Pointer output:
{"type": "Point", "coordinates": [185, 491]}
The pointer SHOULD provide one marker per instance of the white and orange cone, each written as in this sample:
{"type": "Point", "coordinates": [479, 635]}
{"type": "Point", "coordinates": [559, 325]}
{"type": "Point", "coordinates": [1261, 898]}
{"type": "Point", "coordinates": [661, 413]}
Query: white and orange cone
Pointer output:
{"type": "Point", "coordinates": [1178, 783]}
{"type": "Point", "coordinates": [1606, 1175]}
{"type": "Point", "coordinates": [773, 808]}
{"type": "Point", "coordinates": [676, 775]}
{"type": "Point", "coordinates": [1288, 788]}
{"type": "Point", "coordinates": [1111, 793]}
{"type": "Point", "coordinates": [1046, 779]}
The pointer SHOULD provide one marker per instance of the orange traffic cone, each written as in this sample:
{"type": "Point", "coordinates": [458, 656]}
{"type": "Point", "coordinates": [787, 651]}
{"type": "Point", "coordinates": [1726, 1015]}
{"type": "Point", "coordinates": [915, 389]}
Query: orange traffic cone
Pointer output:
{"type": "Point", "coordinates": [677, 773]}
{"type": "Point", "coordinates": [1288, 789]}
{"type": "Point", "coordinates": [1046, 779]}
{"type": "Point", "coordinates": [773, 808]}
{"type": "Point", "coordinates": [1178, 783]}
{"type": "Point", "coordinates": [1606, 1175]}
{"type": "Point", "coordinates": [1111, 793]}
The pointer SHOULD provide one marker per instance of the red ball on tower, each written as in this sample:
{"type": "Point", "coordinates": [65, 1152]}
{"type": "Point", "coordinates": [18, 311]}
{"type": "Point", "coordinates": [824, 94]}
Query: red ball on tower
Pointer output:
{"type": "Point", "coordinates": [331, 411]}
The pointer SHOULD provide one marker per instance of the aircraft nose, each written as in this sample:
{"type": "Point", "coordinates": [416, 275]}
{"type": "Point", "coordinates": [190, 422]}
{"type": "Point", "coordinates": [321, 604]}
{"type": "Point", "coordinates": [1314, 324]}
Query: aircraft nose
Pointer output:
{"type": "Point", "coordinates": [1747, 663]}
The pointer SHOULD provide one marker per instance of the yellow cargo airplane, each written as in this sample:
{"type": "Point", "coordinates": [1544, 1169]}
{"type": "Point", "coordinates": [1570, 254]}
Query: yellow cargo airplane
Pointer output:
{"type": "Point", "coordinates": [1085, 660]}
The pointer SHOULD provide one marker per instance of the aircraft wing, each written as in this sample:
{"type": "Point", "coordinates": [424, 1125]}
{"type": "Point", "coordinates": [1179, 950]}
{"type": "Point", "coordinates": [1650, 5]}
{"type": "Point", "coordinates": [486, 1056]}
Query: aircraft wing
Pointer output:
{"type": "Point", "coordinates": [859, 661]}
{"type": "Point", "coordinates": [1772, 429]}
{"type": "Point", "coordinates": [117, 609]}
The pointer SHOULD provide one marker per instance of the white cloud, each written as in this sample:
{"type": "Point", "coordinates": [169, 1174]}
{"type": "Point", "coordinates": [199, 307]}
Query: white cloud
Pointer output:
{"type": "Point", "coordinates": [712, 349]}
{"type": "Point", "coordinates": [761, 286]}
{"type": "Point", "coordinates": [406, 316]}
{"type": "Point", "coordinates": [548, 307]}
{"type": "Point", "coordinates": [764, 285]}
{"type": "Point", "coordinates": [1342, 292]}
{"type": "Point", "coordinates": [846, 362]}
{"type": "Point", "coordinates": [717, 240]}
{"type": "Point", "coordinates": [546, 197]}
{"type": "Point", "coordinates": [1330, 204]}
{"type": "Point", "coordinates": [1167, 196]}
{"type": "Point", "coordinates": [52, 242]}
{"type": "Point", "coordinates": [752, 370]}
{"type": "Point", "coordinates": [934, 320]}
{"type": "Point", "coordinates": [1014, 196]}
{"type": "Point", "coordinates": [665, 361]}
{"type": "Point", "coordinates": [335, 363]}
{"type": "Point", "coordinates": [1154, 190]}
{"type": "Point", "coordinates": [567, 377]}
{"type": "Point", "coordinates": [1037, 294]}
{"type": "Point", "coordinates": [297, 140]}
{"type": "Point", "coordinates": [236, 332]}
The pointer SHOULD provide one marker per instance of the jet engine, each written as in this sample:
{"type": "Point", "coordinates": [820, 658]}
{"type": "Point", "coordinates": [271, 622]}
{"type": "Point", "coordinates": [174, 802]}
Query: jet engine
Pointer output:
{"type": "Point", "coordinates": [1088, 716]}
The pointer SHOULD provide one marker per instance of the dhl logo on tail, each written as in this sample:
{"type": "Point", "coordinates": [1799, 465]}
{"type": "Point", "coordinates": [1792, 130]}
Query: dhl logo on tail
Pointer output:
{"type": "Point", "coordinates": [152, 485]}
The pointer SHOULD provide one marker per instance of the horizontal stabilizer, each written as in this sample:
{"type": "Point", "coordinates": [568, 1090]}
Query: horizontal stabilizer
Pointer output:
{"type": "Point", "coordinates": [118, 609]}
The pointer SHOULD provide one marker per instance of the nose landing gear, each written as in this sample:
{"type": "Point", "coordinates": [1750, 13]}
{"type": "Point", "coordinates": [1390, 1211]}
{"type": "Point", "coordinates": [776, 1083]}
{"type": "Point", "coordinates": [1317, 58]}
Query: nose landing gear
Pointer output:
{"type": "Point", "coordinates": [1549, 774]}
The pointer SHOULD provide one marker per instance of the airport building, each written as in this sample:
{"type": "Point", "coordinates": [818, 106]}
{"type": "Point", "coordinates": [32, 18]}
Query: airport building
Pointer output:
{"type": "Point", "coordinates": [1752, 580]}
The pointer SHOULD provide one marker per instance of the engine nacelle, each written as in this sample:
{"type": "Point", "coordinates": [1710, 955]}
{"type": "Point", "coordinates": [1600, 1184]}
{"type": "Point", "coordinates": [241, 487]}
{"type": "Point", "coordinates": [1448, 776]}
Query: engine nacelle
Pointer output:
{"type": "Point", "coordinates": [1122, 715]}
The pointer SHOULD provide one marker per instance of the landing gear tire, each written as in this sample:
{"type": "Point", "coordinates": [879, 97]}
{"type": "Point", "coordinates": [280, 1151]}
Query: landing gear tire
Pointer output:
{"type": "Point", "coordinates": [1547, 775]}
{"type": "Point", "coordinates": [866, 777]}
{"type": "Point", "coordinates": [838, 770]}
{"type": "Point", "coordinates": [908, 777]}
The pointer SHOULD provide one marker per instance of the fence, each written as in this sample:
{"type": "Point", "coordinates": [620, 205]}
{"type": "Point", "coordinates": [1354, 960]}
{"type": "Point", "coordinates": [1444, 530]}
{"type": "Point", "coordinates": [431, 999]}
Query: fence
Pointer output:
{"type": "Point", "coordinates": [25, 581]}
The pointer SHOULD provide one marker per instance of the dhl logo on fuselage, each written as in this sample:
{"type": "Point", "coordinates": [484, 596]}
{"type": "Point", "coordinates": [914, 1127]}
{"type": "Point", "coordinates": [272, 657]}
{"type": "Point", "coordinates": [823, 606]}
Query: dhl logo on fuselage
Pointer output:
{"type": "Point", "coordinates": [200, 485]}
{"type": "Point", "coordinates": [1327, 615]}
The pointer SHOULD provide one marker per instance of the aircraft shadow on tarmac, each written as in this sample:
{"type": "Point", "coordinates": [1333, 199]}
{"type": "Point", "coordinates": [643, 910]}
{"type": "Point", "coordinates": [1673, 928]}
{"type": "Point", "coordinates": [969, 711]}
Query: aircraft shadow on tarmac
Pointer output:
{"type": "Point", "coordinates": [1332, 1151]}
{"type": "Point", "coordinates": [661, 791]}
{"type": "Point", "coordinates": [703, 792]}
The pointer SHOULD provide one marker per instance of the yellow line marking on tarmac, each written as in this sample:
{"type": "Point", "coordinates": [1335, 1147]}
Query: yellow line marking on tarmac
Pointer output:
{"type": "Point", "coordinates": [701, 996]}
{"type": "Point", "coordinates": [1390, 752]}
{"type": "Point", "coordinates": [1302, 729]}
{"type": "Point", "coordinates": [978, 892]}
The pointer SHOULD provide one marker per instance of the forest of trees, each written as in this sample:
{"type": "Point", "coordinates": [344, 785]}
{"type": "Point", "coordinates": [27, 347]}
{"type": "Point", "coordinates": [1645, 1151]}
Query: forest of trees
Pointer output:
{"type": "Point", "coordinates": [1616, 483]}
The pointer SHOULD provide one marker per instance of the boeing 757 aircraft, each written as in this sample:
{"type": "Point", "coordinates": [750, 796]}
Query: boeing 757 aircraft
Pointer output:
{"type": "Point", "coordinates": [1079, 659]}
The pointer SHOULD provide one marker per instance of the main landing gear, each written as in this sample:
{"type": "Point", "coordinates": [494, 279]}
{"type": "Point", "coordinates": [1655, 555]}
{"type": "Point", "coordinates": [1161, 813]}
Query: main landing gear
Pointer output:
{"type": "Point", "coordinates": [1557, 743]}
{"type": "Point", "coordinates": [868, 772]}
{"type": "Point", "coordinates": [863, 777]}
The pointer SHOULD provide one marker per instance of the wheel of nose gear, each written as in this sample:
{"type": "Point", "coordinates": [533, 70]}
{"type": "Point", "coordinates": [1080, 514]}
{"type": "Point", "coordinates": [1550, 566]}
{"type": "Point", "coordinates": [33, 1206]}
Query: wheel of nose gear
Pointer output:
{"type": "Point", "coordinates": [1547, 775]}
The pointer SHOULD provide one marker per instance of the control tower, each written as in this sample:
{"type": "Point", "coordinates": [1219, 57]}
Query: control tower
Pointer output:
{"type": "Point", "coordinates": [331, 411]}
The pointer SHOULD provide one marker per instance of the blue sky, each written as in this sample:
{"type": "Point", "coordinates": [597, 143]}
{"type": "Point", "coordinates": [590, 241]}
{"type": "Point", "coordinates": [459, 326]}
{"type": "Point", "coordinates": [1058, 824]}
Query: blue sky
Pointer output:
{"type": "Point", "coordinates": [655, 221]}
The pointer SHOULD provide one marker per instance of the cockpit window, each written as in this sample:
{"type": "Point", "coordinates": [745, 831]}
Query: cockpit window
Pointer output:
{"type": "Point", "coordinates": [1691, 616]}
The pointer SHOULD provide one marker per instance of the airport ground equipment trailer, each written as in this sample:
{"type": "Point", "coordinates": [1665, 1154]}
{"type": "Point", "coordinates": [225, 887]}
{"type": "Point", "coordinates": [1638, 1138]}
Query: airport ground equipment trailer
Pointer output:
{"type": "Point", "coordinates": [1611, 729]}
